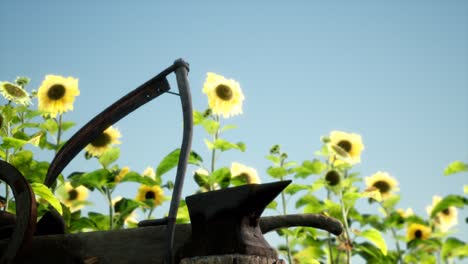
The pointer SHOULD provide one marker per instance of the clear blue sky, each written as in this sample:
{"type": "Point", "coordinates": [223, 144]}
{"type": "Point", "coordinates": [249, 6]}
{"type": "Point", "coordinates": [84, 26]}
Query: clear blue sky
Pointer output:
{"type": "Point", "coordinates": [395, 72]}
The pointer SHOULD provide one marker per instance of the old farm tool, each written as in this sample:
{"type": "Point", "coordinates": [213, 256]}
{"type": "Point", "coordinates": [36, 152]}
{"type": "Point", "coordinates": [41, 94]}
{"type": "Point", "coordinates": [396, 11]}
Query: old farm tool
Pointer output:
{"type": "Point", "coordinates": [225, 222]}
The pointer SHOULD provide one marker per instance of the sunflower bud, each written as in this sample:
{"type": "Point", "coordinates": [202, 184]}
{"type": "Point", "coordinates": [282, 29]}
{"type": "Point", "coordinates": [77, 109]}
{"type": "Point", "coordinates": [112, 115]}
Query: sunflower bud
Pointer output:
{"type": "Point", "coordinates": [22, 81]}
{"type": "Point", "coordinates": [275, 149]}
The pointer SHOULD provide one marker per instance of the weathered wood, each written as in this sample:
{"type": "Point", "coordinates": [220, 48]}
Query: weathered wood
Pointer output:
{"type": "Point", "coordinates": [138, 245]}
{"type": "Point", "coordinates": [231, 259]}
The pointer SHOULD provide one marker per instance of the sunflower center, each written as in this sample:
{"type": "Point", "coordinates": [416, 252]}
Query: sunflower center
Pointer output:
{"type": "Point", "coordinates": [224, 92]}
{"type": "Point", "coordinates": [56, 92]}
{"type": "Point", "coordinates": [345, 145]}
{"type": "Point", "coordinates": [332, 177]}
{"type": "Point", "coordinates": [418, 234]}
{"type": "Point", "coordinates": [383, 186]}
{"type": "Point", "coordinates": [102, 140]}
{"type": "Point", "coordinates": [14, 90]}
{"type": "Point", "coordinates": [72, 195]}
{"type": "Point", "coordinates": [446, 211]}
{"type": "Point", "coordinates": [150, 195]}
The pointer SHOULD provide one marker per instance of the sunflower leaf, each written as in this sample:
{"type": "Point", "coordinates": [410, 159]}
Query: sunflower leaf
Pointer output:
{"type": "Point", "coordinates": [294, 188]}
{"type": "Point", "coordinates": [200, 179]}
{"type": "Point", "coordinates": [45, 193]}
{"type": "Point", "coordinates": [197, 117]}
{"type": "Point", "coordinates": [450, 200]}
{"type": "Point", "coordinates": [375, 236]}
{"type": "Point", "coordinates": [277, 172]}
{"type": "Point", "coordinates": [109, 157]}
{"type": "Point", "coordinates": [453, 247]}
{"type": "Point", "coordinates": [455, 167]}
{"type": "Point", "coordinates": [210, 126]}
{"type": "Point", "coordinates": [221, 176]}
{"type": "Point", "coordinates": [125, 207]}
{"type": "Point", "coordinates": [67, 125]}
{"type": "Point", "coordinates": [50, 126]}
{"type": "Point", "coordinates": [10, 142]}
{"type": "Point", "coordinates": [91, 180]}
{"type": "Point", "coordinates": [273, 205]}
{"type": "Point", "coordinates": [135, 177]}
{"type": "Point", "coordinates": [228, 127]}
{"type": "Point", "coordinates": [309, 167]}
{"type": "Point", "coordinates": [225, 145]}
{"type": "Point", "coordinates": [171, 160]}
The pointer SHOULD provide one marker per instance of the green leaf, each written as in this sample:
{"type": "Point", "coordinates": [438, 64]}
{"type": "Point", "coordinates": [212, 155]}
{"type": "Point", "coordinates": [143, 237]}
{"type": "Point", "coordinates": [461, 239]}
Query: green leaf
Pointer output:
{"type": "Point", "coordinates": [200, 179]}
{"type": "Point", "coordinates": [101, 221]}
{"type": "Point", "coordinates": [45, 193]}
{"type": "Point", "coordinates": [210, 126]}
{"type": "Point", "coordinates": [309, 167]}
{"type": "Point", "coordinates": [135, 177]}
{"type": "Point", "coordinates": [465, 189]}
{"type": "Point", "coordinates": [277, 172]}
{"type": "Point", "coordinates": [171, 160]}
{"type": "Point", "coordinates": [197, 117]}
{"type": "Point", "coordinates": [350, 198]}
{"type": "Point", "coordinates": [82, 223]}
{"type": "Point", "coordinates": [125, 207]}
{"type": "Point", "coordinates": [450, 200]}
{"type": "Point", "coordinates": [94, 179]}
{"type": "Point", "coordinates": [273, 158]}
{"type": "Point", "coordinates": [209, 144]}
{"type": "Point", "coordinates": [228, 127]}
{"type": "Point", "coordinates": [10, 142]}
{"type": "Point", "coordinates": [294, 188]}
{"type": "Point", "coordinates": [375, 236]}
{"type": "Point", "coordinates": [21, 158]}
{"type": "Point", "coordinates": [50, 126]}
{"type": "Point", "coordinates": [455, 167]}
{"type": "Point", "coordinates": [453, 245]}
{"type": "Point", "coordinates": [67, 125]}
{"type": "Point", "coordinates": [109, 157]}
{"type": "Point", "coordinates": [273, 205]}
{"type": "Point", "coordinates": [222, 176]}
{"type": "Point", "coordinates": [225, 145]}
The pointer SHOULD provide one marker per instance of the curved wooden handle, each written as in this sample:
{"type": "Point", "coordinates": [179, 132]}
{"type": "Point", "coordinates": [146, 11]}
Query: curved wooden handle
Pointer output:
{"type": "Point", "coordinates": [25, 212]}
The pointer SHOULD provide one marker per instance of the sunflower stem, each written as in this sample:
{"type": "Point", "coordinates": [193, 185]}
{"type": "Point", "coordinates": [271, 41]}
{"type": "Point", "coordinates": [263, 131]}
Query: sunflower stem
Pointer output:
{"type": "Point", "coordinates": [283, 201]}
{"type": "Point", "coordinates": [150, 212]}
{"type": "Point", "coordinates": [394, 235]}
{"type": "Point", "coordinates": [111, 208]}
{"type": "Point", "coordinates": [59, 133]}
{"type": "Point", "coordinates": [329, 242]}
{"type": "Point", "coordinates": [213, 152]}
{"type": "Point", "coordinates": [346, 228]}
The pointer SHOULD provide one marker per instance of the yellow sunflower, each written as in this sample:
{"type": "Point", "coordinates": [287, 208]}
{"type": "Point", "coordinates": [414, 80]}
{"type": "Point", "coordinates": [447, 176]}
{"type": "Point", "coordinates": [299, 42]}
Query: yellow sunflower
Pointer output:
{"type": "Point", "coordinates": [73, 197]}
{"type": "Point", "coordinates": [154, 193]}
{"type": "Point", "coordinates": [149, 172]}
{"type": "Point", "coordinates": [122, 174]}
{"type": "Point", "coordinates": [103, 142]}
{"type": "Point", "coordinates": [57, 94]}
{"type": "Point", "coordinates": [347, 146]}
{"type": "Point", "coordinates": [383, 182]}
{"type": "Point", "coordinates": [225, 96]}
{"type": "Point", "coordinates": [418, 231]}
{"type": "Point", "coordinates": [248, 173]}
{"type": "Point", "coordinates": [445, 219]}
{"type": "Point", "coordinates": [14, 93]}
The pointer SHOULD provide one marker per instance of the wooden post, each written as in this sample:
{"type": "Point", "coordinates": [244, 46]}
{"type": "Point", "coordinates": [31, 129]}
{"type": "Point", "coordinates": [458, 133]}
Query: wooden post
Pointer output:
{"type": "Point", "coordinates": [231, 259]}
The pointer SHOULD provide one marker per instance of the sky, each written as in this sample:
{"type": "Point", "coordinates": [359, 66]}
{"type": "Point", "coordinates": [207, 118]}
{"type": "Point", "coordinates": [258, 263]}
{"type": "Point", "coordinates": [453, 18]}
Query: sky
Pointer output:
{"type": "Point", "coordinates": [395, 72]}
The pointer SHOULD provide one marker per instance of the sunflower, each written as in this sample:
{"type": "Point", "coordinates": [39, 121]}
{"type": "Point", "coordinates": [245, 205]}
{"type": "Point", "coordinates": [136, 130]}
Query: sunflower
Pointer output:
{"type": "Point", "coordinates": [242, 171]}
{"type": "Point", "coordinates": [348, 146]}
{"type": "Point", "coordinates": [103, 142]}
{"type": "Point", "coordinates": [122, 174]}
{"type": "Point", "coordinates": [14, 93]}
{"type": "Point", "coordinates": [445, 219]}
{"type": "Point", "coordinates": [224, 95]}
{"type": "Point", "coordinates": [418, 231]}
{"type": "Point", "coordinates": [383, 182]}
{"type": "Point", "coordinates": [154, 193]}
{"type": "Point", "coordinates": [72, 197]}
{"type": "Point", "coordinates": [57, 94]}
{"type": "Point", "coordinates": [332, 178]}
{"type": "Point", "coordinates": [149, 172]}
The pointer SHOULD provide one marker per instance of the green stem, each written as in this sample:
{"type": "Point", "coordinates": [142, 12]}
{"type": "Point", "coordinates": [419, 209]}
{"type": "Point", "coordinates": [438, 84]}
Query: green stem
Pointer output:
{"type": "Point", "coordinates": [394, 234]}
{"type": "Point", "coordinates": [283, 201]}
{"type": "Point", "coordinates": [346, 228]}
{"type": "Point", "coordinates": [150, 213]}
{"type": "Point", "coordinates": [213, 152]}
{"type": "Point", "coordinates": [329, 242]}
{"type": "Point", "coordinates": [59, 133]}
{"type": "Point", "coordinates": [111, 208]}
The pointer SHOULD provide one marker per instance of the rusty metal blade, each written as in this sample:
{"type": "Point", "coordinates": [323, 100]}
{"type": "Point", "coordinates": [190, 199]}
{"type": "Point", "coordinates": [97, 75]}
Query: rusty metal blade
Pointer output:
{"type": "Point", "coordinates": [138, 97]}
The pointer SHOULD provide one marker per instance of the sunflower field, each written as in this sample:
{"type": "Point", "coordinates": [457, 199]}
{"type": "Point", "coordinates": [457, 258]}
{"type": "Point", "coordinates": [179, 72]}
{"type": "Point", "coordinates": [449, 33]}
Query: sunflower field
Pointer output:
{"type": "Point", "coordinates": [326, 184]}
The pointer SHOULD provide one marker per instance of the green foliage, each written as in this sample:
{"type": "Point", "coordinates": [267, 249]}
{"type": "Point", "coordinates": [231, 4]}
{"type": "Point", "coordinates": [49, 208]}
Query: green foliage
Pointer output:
{"type": "Point", "coordinates": [456, 167]}
{"type": "Point", "coordinates": [450, 200]}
